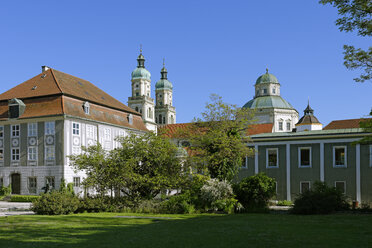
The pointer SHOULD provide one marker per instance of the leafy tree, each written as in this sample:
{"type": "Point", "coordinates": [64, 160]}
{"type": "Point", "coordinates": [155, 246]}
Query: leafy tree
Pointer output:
{"type": "Point", "coordinates": [367, 127]}
{"type": "Point", "coordinates": [218, 139]}
{"type": "Point", "coordinates": [147, 165]}
{"type": "Point", "coordinates": [141, 168]}
{"type": "Point", "coordinates": [98, 166]}
{"type": "Point", "coordinates": [355, 15]}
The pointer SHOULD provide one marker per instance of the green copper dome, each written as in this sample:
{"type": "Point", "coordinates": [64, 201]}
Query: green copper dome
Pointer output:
{"type": "Point", "coordinates": [268, 102]}
{"type": "Point", "coordinates": [267, 78]}
{"type": "Point", "coordinates": [141, 73]}
{"type": "Point", "coordinates": [163, 84]}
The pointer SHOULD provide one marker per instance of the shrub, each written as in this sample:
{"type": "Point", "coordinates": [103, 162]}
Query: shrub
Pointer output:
{"type": "Point", "coordinates": [215, 190]}
{"type": "Point", "coordinates": [284, 203]}
{"type": "Point", "coordinates": [226, 205]}
{"type": "Point", "coordinates": [5, 191]}
{"type": "Point", "coordinates": [321, 199]}
{"type": "Point", "coordinates": [24, 198]}
{"type": "Point", "coordinates": [55, 203]}
{"type": "Point", "coordinates": [178, 204]}
{"type": "Point", "coordinates": [255, 192]}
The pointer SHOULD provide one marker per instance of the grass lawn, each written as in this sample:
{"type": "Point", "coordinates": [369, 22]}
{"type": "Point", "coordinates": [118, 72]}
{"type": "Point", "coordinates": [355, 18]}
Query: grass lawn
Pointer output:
{"type": "Point", "coordinates": [243, 230]}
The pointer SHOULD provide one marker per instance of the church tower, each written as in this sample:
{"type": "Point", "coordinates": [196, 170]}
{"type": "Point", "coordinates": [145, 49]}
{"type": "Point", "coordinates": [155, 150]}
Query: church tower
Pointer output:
{"type": "Point", "coordinates": [165, 113]}
{"type": "Point", "coordinates": [308, 122]}
{"type": "Point", "coordinates": [141, 100]}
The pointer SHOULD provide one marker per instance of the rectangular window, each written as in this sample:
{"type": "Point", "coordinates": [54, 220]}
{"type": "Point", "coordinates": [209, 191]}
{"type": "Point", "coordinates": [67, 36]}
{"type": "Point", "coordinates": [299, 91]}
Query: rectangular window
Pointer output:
{"type": "Point", "coordinates": [32, 184]}
{"type": "Point", "coordinates": [304, 186]}
{"type": "Point", "coordinates": [1, 154]}
{"type": "Point", "coordinates": [75, 128]}
{"type": "Point", "coordinates": [50, 182]}
{"type": "Point", "coordinates": [304, 156]}
{"type": "Point", "coordinates": [272, 157]}
{"type": "Point", "coordinates": [15, 154]}
{"type": "Point", "coordinates": [76, 181]}
{"type": "Point", "coordinates": [341, 186]}
{"type": "Point", "coordinates": [107, 133]}
{"type": "Point", "coordinates": [288, 126]}
{"type": "Point", "coordinates": [15, 130]}
{"type": "Point", "coordinates": [280, 126]}
{"type": "Point", "coordinates": [49, 153]}
{"type": "Point", "coordinates": [1, 182]}
{"type": "Point", "coordinates": [32, 129]}
{"type": "Point", "coordinates": [90, 131]}
{"type": "Point", "coordinates": [245, 162]}
{"type": "Point", "coordinates": [339, 156]}
{"type": "Point", "coordinates": [49, 128]}
{"type": "Point", "coordinates": [32, 153]}
{"type": "Point", "coordinates": [1, 131]}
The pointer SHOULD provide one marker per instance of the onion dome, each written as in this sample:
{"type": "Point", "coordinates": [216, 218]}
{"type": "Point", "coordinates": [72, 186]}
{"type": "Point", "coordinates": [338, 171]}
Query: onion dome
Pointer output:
{"type": "Point", "coordinates": [163, 83]}
{"type": "Point", "coordinates": [140, 72]}
{"type": "Point", "coordinates": [267, 78]}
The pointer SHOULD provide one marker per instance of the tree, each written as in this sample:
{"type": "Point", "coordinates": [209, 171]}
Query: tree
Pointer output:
{"type": "Point", "coordinates": [218, 140]}
{"type": "Point", "coordinates": [141, 168]}
{"type": "Point", "coordinates": [355, 15]}
{"type": "Point", "coordinates": [147, 165]}
{"type": "Point", "coordinates": [366, 125]}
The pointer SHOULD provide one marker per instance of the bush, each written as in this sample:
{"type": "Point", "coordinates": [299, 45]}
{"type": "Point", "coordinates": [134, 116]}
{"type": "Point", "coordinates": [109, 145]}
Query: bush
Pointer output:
{"type": "Point", "coordinates": [226, 205]}
{"type": "Point", "coordinates": [284, 203]}
{"type": "Point", "coordinates": [255, 192]}
{"type": "Point", "coordinates": [215, 190]}
{"type": "Point", "coordinates": [178, 204]}
{"type": "Point", "coordinates": [55, 203]}
{"type": "Point", "coordinates": [5, 191]}
{"type": "Point", "coordinates": [24, 198]}
{"type": "Point", "coordinates": [321, 199]}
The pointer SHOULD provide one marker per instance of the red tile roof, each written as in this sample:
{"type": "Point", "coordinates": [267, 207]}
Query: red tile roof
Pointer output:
{"type": "Point", "coordinates": [171, 130]}
{"type": "Point", "coordinates": [342, 124]}
{"type": "Point", "coordinates": [56, 93]}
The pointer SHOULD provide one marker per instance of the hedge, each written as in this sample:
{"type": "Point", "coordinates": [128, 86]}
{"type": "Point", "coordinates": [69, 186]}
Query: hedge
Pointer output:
{"type": "Point", "coordinates": [24, 198]}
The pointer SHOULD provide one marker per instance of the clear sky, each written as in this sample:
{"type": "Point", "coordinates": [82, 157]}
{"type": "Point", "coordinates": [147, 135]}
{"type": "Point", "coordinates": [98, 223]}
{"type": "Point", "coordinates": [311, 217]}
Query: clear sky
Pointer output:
{"type": "Point", "coordinates": [209, 47]}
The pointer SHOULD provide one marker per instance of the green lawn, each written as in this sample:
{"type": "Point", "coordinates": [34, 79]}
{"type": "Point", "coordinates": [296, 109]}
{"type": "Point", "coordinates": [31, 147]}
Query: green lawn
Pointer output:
{"type": "Point", "coordinates": [243, 230]}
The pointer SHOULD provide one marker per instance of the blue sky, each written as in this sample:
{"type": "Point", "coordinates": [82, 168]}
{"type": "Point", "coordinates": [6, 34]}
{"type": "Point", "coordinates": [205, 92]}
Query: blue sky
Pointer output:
{"type": "Point", "coordinates": [210, 47]}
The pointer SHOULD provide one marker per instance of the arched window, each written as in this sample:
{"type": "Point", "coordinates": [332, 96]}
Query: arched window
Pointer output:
{"type": "Point", "coordinates": [160, 119]}
{"type": "Point", "coordinates": [164, 120]}
{"type": "Point", "coordinates": [137, 109]}
{"type": "Point", "coordinates": [172, 120]}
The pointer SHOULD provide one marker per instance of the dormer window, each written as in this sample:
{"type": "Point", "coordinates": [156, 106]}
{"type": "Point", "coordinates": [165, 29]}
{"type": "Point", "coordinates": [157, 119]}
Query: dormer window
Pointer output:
{"type": "Point", "coordinates": [16, 108]}
{"type": "Point", "coordinates": [86, 108]}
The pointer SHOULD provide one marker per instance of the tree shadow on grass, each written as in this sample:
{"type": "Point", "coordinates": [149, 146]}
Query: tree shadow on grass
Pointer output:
{"type": "Point", "coordinates": [243, 230]}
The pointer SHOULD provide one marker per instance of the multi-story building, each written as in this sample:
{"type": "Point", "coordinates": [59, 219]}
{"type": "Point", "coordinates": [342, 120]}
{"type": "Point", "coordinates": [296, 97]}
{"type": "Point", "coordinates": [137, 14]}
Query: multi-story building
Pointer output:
{"type": "Point", "coordinates": [49, 117]}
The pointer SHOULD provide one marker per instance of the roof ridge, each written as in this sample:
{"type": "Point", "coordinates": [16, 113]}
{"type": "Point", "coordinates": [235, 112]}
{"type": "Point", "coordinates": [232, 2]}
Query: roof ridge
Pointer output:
{"type": "Point", "coordinates": [59, 87]}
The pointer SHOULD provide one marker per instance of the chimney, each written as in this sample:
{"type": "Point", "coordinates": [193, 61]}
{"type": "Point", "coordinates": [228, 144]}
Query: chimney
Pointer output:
{"type": "Point", "coordinates": [44, 68]}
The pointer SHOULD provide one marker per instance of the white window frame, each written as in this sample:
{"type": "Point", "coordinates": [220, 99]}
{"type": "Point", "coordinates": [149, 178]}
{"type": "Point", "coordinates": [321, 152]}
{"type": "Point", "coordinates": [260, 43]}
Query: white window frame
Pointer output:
{"type": "Point", "coordinates": [76, 180]}
{"type": "Point", "coordinates": [15, 130]}
{"type": "Point", "coordinates": [344, 182]}
{"type": "Point", "coordinates": [288, 125]}
{"type": "Point", "coordinates": [107, 134]}
{"type": "Point", "coordinates": [245, 164]}
{"type": "Point", "coordinates": [50, 128]}
{"type": "Point", "coordinates": [299, 157]}
{"type": "Point", "coordinates": [267, 158]}
{"type": "Point", "coordinates": [48, 179]}
{"type": "Point", "coordinates": [32, 129]}
{"type": "Point", "coordinates": [1, 132]}
{"type": "Point", "coordinates": [370, 156]}
{"type": "Point", "coordinates": [301, 182]}
{"type": "Point", "coordinates": [90, 131]}
{"type": "Point", "coordinates": [32, 153]}
{"type": "Point", "coordinates": [280, 125]}
{"type": "Point", "coordinates": [1, 154]}
{"type": "Point", "coordinates": [76, 128]}
{"type": "Point", "coordinates": [14, 154]}
{"type": "Point", "coordinates": [334, 157]}
{"type": "Point", "coordinates": [29, 184]}
{"type": "Point", "coordinates": [86, 108]}
{"type": "Point", "coordinates": [48, 151]}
